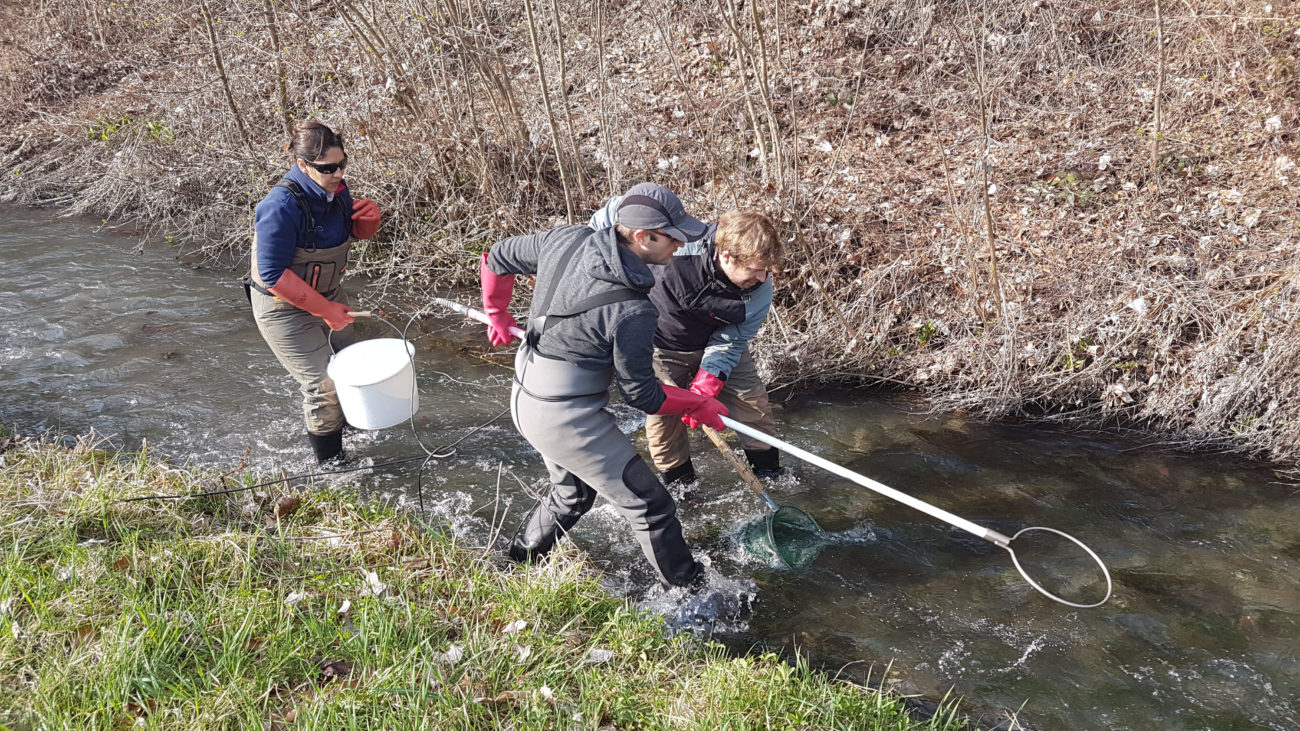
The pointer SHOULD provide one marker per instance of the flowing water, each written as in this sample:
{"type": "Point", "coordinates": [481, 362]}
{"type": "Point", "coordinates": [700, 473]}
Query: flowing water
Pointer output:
{"type": "Point", "coordinates": [1203, 630]}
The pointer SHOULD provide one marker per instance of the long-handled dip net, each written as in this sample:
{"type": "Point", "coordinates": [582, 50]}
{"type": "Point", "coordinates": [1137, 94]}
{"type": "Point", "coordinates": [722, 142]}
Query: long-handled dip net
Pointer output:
{"type": "Point", "coordinates": [796, 539]}
{"type": "Point", "coordinates": [786, 532]}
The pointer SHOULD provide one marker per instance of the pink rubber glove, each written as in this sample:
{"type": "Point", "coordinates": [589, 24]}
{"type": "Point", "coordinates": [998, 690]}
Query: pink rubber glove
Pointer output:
{"type": "Point", "coordinates": [705, 384]}
{"type": "Point", "coordinates": [698, 409]}
{"type": "Point", "coordinates": [497, 289]}
{"type": "Point", "coordinates": [292, 289]}
{"type": "Point", "coordinates": [365, 218]}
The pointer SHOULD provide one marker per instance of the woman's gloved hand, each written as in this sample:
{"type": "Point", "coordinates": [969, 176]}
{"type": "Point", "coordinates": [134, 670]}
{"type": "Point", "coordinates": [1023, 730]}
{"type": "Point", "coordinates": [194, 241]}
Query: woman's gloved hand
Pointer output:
{"type": "Point", "coordinates": [497, 289]}
{"type": "Point", "coordinates": [694, 408]}
{"type": "Point", "coordinates": [292, 289]}
{"type": "Point", "coordinates": [365, 218]}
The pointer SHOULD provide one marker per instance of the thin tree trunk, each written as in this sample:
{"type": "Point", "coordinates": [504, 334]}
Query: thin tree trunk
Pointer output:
{"type": "Point", "coordinates": [272, 22]}
{"type": "Point", "coordinates": [564, 99]}
{"type": "Point", "coordinates": [971, 254]}
{"type": "Point", "coordinates": [1160, 90]}
{"type": "Point", "coordinates": [546, 102]}
{"type": "Point", "coordinates": [225, 80]}
{"type": "Point", "coordinates": [599, 10]}
{"type": "Point", "coordinates": [980, 81]}
{"type": "Point", "coordinates": [97, 26]}
{"type": "Point", "coordinates": [765, 93]}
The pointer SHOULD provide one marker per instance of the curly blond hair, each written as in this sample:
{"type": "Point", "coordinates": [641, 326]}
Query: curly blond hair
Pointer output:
{"type": "Point", "coordinates": [750, 237]}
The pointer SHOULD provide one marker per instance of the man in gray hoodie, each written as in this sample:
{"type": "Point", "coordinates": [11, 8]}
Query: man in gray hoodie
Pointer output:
{"type": "Point", "coordinates": [591, 324]}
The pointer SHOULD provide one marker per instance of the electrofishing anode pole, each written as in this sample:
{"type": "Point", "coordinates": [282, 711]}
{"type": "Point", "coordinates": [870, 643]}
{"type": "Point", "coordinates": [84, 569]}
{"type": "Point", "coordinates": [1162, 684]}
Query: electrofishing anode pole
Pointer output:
{"type": "Point", "coordinates": [988, 534]}
{"type": "Point", "coordinates": [474, 314]}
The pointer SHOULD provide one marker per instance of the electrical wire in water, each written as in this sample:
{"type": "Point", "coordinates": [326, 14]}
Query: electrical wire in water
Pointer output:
{"type": "Point", "coordinates": [443, 452]}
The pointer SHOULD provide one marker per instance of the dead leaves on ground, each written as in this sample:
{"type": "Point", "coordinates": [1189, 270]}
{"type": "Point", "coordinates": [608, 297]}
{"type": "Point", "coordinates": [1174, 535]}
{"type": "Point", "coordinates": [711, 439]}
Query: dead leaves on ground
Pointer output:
{"type": "Point", "coordinates": [334, 669]}
{"type": "Point", "coordinates": [286, 506]}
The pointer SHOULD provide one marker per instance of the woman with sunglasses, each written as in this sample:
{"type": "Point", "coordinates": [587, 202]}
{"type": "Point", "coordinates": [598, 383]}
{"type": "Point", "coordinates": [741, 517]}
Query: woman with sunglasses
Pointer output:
{"type": "Point", "coordinates": [302, 230]}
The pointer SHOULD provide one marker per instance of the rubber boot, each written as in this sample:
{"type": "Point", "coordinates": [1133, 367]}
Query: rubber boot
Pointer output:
{"type": "Point", "coordinates": [697, 581]}
{"type": "Point", "coordinates": [538, 533]}
{"type": "Point", "coordinates": [766, 462]}
{"type": "Point", "coordinates": [328, 447]}
{"type": "Point", "coordinates": [682, 473]}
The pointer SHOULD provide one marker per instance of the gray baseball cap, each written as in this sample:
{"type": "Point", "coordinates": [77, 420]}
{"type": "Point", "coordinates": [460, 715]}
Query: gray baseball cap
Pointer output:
{"type": "Point", "coordinates": [651, 206]}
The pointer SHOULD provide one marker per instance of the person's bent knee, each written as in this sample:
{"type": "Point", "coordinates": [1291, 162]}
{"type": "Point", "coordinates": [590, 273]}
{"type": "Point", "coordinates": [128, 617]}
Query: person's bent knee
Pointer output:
{"type": "Point", "coordinates": [642, 482]}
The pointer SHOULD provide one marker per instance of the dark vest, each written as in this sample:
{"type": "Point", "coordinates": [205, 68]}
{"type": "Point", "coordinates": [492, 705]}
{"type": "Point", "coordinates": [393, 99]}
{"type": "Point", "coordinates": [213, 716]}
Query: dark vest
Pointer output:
{"type": "Point", "coordinates": [694, 300]}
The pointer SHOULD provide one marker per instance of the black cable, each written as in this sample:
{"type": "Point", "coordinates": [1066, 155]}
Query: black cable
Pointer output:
{"type": "Point", "coordinates": [427, 457]}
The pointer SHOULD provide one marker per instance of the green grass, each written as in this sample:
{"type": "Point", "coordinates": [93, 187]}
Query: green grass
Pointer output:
{"type": "Point", "coordinates": [212, 613]}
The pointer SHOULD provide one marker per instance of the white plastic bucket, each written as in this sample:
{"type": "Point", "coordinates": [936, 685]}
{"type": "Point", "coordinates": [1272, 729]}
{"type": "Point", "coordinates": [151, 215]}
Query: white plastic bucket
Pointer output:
{"type": "Point", "coordinates": [375, 382]}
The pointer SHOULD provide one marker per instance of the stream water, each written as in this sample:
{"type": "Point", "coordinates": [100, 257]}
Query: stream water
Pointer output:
{"type": "Point", "coordinates": [1203, 630]}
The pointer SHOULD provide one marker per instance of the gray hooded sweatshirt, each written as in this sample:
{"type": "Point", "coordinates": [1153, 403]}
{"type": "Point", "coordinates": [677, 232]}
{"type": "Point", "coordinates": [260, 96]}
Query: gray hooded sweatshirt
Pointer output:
{"type": "Point", "coordinates": [620, 335]}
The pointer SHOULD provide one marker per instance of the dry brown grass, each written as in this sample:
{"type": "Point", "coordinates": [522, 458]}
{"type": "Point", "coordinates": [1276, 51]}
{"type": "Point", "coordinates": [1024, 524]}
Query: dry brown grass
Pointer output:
{"type": "Point", "coordinates": [968, 187]}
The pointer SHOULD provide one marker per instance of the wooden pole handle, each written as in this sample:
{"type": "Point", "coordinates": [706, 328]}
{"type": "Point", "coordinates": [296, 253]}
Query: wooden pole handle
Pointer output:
{"type": "Point", "coordinates": [746, 474]}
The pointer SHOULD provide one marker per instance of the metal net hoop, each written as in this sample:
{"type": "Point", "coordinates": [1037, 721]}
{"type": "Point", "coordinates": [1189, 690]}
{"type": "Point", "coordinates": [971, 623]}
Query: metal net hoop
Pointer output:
{"type": "Point", "coordinates": [1091, 554]}
{"type": "Point", "coordinates": [794, 536]}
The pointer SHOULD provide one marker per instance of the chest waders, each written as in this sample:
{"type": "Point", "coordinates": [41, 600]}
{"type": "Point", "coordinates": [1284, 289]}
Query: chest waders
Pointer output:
{"type": "Point", "coordinates": [560, 409]}
{"type": "Point", "coordinates": [320, 268]}
{"type": "Point", "coordinates": [301, 340]}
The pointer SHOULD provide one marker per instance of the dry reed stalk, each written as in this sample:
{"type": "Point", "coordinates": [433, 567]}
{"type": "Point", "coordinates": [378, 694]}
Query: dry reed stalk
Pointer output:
{"type": "Point", "coordinates": [1160, 90]}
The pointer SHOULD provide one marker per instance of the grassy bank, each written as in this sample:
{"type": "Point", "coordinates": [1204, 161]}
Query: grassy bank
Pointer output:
{"type": "Point", "coordinates": [1082, 210]}
{"type": "Point", "coordinates": [325, 612]}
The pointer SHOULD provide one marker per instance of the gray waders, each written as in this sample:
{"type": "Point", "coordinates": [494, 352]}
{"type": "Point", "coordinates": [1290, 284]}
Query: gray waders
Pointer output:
{"type": "Point", "coordinates": [300, 340]}
{"type": "Point", "coordinates": [560, 409]}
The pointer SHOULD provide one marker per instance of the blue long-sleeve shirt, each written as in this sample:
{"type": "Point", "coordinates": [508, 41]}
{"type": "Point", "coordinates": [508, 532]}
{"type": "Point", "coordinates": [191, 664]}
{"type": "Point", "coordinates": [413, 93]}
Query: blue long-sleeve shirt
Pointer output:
{"type": "Point", "coordinates": [278, 223]}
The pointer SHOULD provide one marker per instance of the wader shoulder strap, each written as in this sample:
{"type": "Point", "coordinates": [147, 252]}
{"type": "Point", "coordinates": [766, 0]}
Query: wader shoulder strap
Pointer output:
{"type": "Point", "coordinates": [592, 302]}
{"type": "Point", "coordinates": [548, 318]}
{"type": "Point", "coordinates": [561, 270]}
{"type": "Point", "coordinates": [308, 230]}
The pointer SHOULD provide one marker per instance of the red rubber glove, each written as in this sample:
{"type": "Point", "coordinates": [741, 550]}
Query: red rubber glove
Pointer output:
{"type": "Point", "coordinates": [497, 289]}
{"type": "Point", "coordinates": [365, 218]}
{"type": "Point", "coordinates": [705, 384]}
{"type": "Point", "coordinates": [292, 289]}
{"type": "Point", "coordinates": [698, 409]}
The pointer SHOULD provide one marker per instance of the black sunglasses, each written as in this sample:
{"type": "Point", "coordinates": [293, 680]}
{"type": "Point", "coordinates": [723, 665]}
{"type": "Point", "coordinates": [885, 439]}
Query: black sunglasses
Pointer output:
{"type": "Point", "coordinates": [327, 168]}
